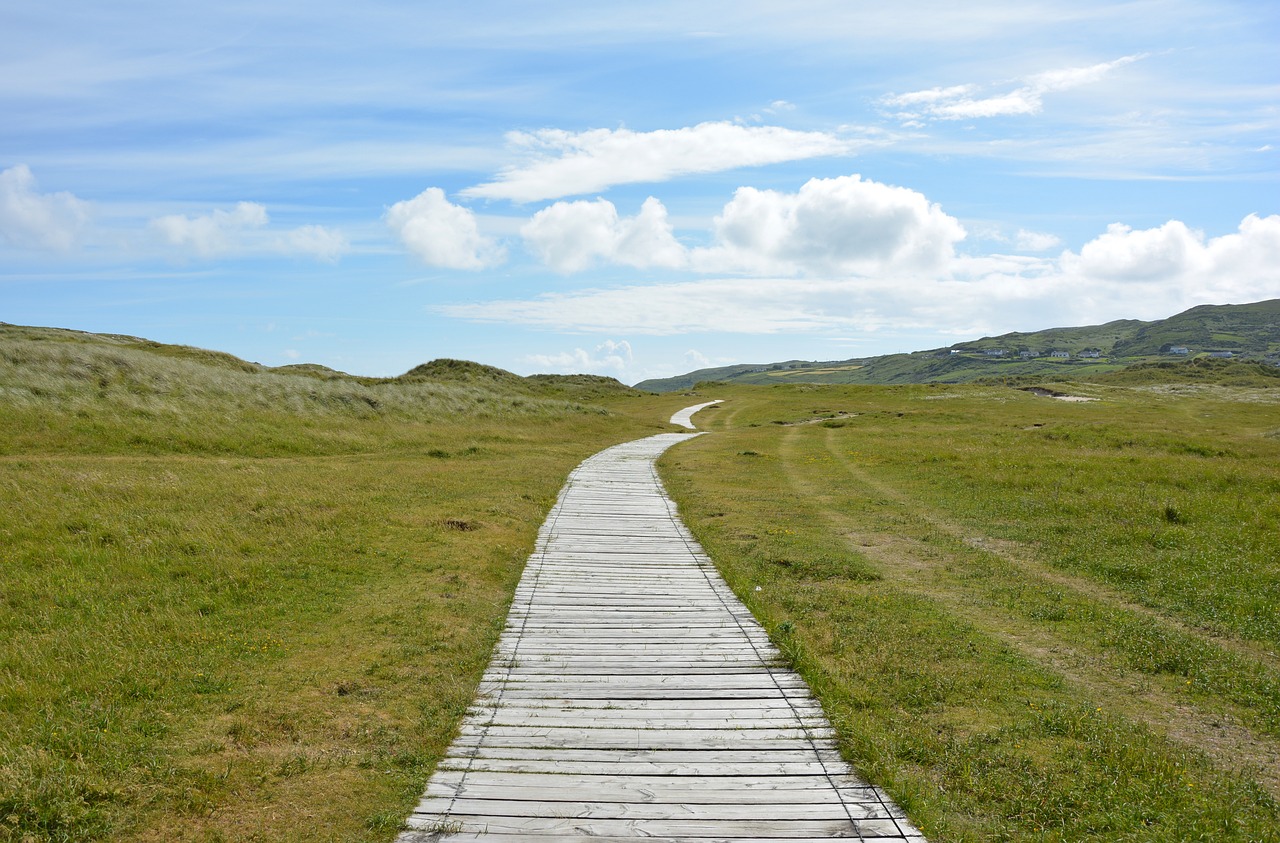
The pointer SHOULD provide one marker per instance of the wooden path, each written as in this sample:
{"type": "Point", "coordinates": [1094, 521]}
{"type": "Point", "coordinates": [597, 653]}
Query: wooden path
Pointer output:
{"type": "Point", "coordinates": [633, 696]}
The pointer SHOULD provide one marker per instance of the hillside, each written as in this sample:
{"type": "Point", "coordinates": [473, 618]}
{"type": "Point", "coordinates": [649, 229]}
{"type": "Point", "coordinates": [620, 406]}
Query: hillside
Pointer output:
{"type": "Point", "coordinates": [1248, 331]}
{"type": "Point", "coordinates": [250, 603]}
{"type": "Point", "coordinates": [67, 364]}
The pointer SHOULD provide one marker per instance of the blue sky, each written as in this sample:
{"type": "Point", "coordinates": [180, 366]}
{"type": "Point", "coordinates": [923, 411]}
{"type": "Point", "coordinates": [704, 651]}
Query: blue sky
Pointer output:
{"type": "Point", "coordinates": [631, 189]}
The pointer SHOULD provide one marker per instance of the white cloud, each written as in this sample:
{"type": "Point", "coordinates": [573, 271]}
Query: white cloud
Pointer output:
{"type": "Point", "coordinates": [1241, 266]}
{"type": "Point", "coordinates": [29, 219]}
{"type": "Point", "coordinates": [694, 360]}
{"type": "Point", "coordinates": [609, 357]}
{"type": "Point", "coordinates": [960, 102]}
{"type": "Point", "coordinates": [322, 243]}
{"type": "Point", "coordinates": [570, 236]}
{"type": "Point", "coordinates": [1035, 241]}
{"type": "Point", "coordinates": [572, 163]}
{"type": "Point", "coordinates": [836, 226]}
{"type": "Point", "coordinates": [441, 233]}
{"type": "Point", "coordinates": [222, 232]}
{"type": "Point", "coordinates": [927, 97]}
{"type": "Point", "coordinates": [746, 306]}
{"type": "Point", "coordinates": [832, 226]}
{"type": "Point", "coordinates": [213, 234]}
{"type": "Point", "coordinates": [1123, 273]}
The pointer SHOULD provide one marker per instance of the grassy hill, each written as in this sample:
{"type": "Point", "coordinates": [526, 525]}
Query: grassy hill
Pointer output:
{"type": "Point", "coordinates": [1248, 331]}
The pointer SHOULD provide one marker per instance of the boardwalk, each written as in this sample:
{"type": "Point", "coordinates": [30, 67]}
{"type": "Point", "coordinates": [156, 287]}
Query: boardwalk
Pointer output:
{"type": "Point", "coordinates": [633, 696]}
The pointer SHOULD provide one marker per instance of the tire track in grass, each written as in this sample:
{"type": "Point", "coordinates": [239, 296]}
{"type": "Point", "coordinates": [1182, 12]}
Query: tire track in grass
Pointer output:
{"type": "Point", "coordinates": [1215, 726]}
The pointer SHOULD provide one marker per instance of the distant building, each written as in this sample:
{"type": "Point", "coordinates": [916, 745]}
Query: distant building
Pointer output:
{"type": "Point", "coordinates": [1060, 354]}
{"type": "Point", "coordinates": [1027, 355]}
{"type": "Point", "coordinates": [1090, 353]}
{"type": "Point", "coordinates": [995, 352]}
{"type": "Point", "coordinates": [1179, 349]}
{"type": "Point", "coordinates": [1221, 354]}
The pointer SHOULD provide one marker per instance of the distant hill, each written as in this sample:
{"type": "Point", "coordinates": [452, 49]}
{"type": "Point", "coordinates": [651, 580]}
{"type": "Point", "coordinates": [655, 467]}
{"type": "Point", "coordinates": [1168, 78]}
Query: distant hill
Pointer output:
{"type": "Point", "coordinates": [92, 353]}
{"type": "Point", "coordinates": [1249, 332]}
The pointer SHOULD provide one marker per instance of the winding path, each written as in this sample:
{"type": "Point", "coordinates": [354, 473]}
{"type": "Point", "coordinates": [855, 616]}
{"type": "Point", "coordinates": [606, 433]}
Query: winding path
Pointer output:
{"type": "Point", "coordinates": [633, 696]}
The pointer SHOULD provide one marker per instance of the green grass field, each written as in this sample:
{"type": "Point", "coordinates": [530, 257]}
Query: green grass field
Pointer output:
{"type": "Point", "coordinates": [239, 604]}
{"type": "Point", "coordinates": [1028, 619]}
{"type": "Point", "coordinates": [249, 604]}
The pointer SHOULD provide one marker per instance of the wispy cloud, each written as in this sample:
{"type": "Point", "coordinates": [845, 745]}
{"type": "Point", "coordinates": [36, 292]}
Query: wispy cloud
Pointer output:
{"type": "Point", "coordinates": [1035, 241]}
{"type": "Point", "coordinates": [31, 219]}
{"type": "Point", "coordinates": [234, 232]}
{"type": "Point", "coordinates": [963, 102]}
{"type": "Point", "coordinates": [611, 357]}
{"type": "Point", "coordinates": [573, 163]}
{"type": "Point", "coordinates": [315, 241]}
{"type": "Point", "coordinates": [211, 234]}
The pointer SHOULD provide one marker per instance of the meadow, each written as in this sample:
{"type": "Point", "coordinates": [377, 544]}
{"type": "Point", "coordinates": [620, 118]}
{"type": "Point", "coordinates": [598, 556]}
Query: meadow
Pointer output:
{"type": "Point", "coordinates": [1028, 619]}
{"type": "Point", "coordinates": [250, 604]}
{"type": "Point", "coordinates": [240, 603]}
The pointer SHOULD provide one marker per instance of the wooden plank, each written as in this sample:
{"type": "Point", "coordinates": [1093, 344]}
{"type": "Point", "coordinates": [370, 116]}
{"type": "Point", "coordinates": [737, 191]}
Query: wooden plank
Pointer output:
{"type": "Point", "coordinates": [666, 755]}
{"type": "Point", "coordinates": [632, 695]}
{"type": "Point", "coordinates": [675, 826]}
{"type": "Point", "coordinates": [638, 768]}
{"type": "Point", "coordinates": [608, 810]}
{"type": "Point", "coordinates": [552, 837]}
{"type": "Point", "coordinates": [645, 788]}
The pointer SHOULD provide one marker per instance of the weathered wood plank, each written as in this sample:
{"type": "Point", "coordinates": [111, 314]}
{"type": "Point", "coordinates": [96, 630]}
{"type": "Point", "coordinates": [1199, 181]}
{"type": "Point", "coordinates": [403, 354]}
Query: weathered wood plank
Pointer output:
{"type": "Point", "coordinates": [646, 788]}
{"type": "Point", "coordinates": [632, 695]}
{"type": "Point", "coordinates": [552, 837]}
{"type": "Point", "coordinates": [675, 826]}
{"type": "Point", "coordinates": [665, 755]}
{"type": "Point", "coordinates": [607, 810]}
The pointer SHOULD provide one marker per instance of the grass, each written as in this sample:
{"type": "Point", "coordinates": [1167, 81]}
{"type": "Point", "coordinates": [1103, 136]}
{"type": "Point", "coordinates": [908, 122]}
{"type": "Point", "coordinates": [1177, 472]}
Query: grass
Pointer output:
{"type": "Point", "coordinates": [250, 604]}
{"type": "Point", "coordinates": [240, 603]}
{"type": "Point", "coordinates": [1028, 619]}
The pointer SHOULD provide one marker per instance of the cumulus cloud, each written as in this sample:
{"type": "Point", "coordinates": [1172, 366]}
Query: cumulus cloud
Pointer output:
{"type": "Point", "coordinates": [1240, 266]}
{"type": "Point", "coordinates": [832, 226]}
{"type": "Point", "coordinates": [609, 357]}
{"type": "Point", "coordinates": [963, 102]}
{"type": "Point", "coordinates": [571, 236]}
{"type": "Point", "coordinates": [573, 163]}
{"type": "Point", "coordinates": [836, 226]}
{"type": "Point", "coordinates": [441, 233]}
{"type": "Point", "coordinates": [212, 234]}
{"type": "Point", "coordinates": [1123, 273]}
{"type": "Point", "coordinates": [30, 219]}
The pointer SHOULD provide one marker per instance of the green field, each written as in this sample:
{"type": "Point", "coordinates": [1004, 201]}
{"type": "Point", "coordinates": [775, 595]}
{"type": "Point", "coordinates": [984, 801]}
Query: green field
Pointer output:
{"type": "Point", "coordinates": [245, 604]}
{"type": "Point", "coordinates": [239, 603]}
{"type": "Point", "coordinates": [1028, 619]}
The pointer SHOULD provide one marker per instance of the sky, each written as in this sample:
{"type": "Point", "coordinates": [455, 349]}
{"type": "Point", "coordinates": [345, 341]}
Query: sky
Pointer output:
{"type": "Point", "coordinates": [630, 189]}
